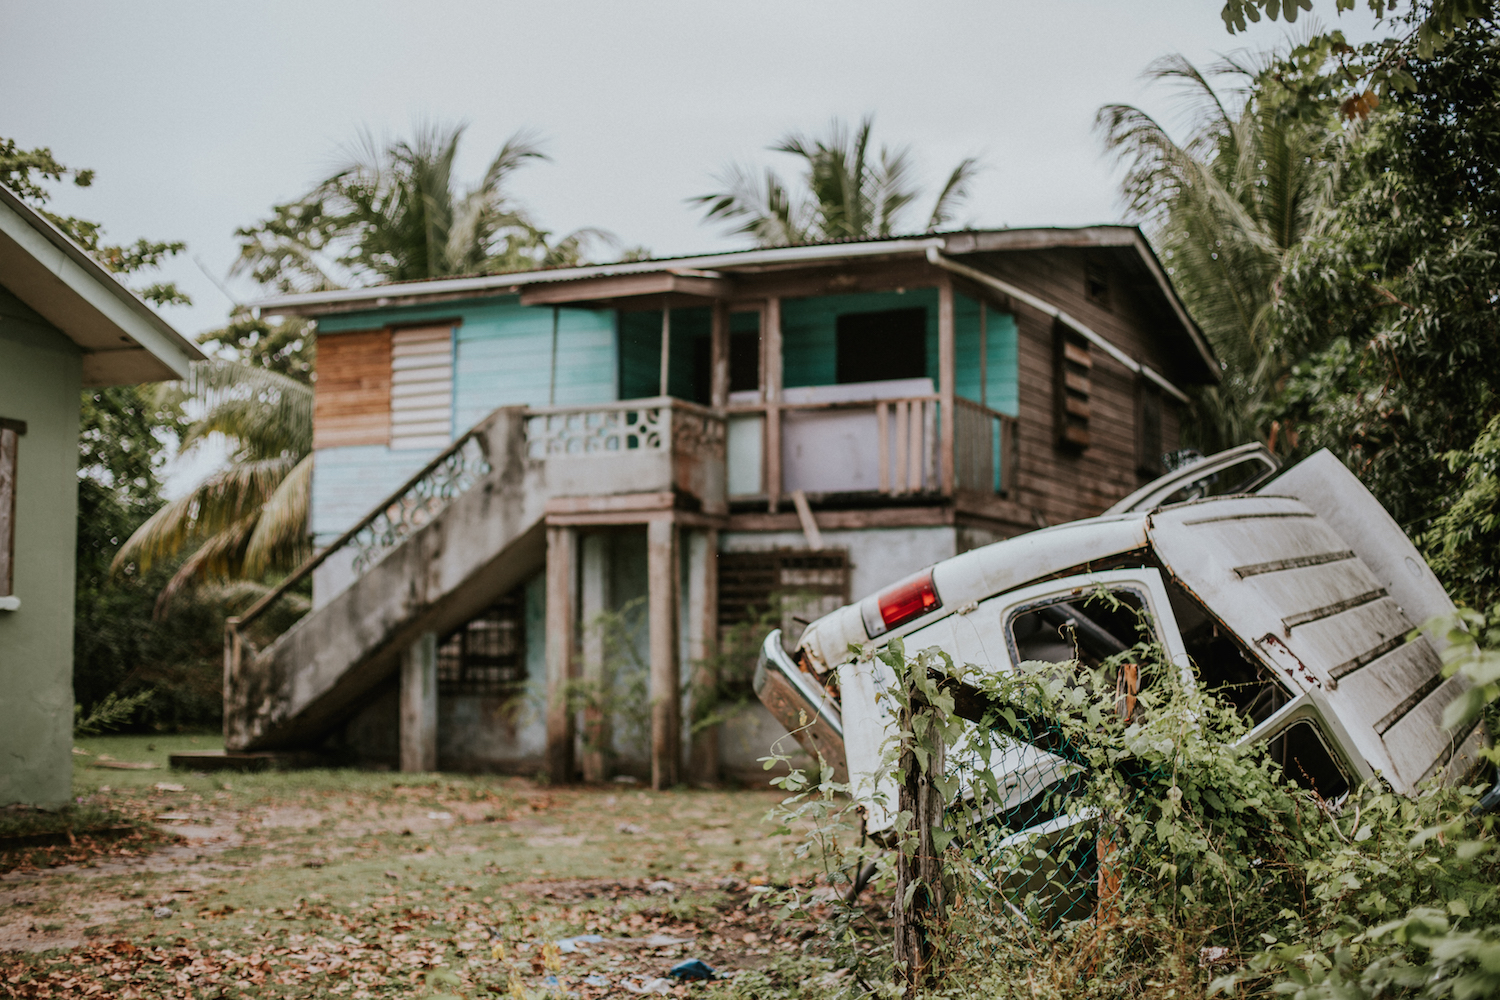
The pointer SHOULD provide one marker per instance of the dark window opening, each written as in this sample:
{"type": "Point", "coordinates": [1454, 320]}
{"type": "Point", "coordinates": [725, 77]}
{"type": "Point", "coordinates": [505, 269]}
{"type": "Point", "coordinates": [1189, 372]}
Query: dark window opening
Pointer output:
{"type": "Point", "coordinates": [1241, 477]}
{"type": "Point", "coordinates": [1148, 443]}
{"type": "Point", "coordinates": [487, 656]}
{"type": "Point", "coordinates": [744, 360]}
{"type": "Point", "coordinates": [744, 363]}
{"type": "Point", "coordinates": [1091, 629]}
{"type": "Point", "coordinates": [1304, 757]}
{"type": "Point", "coordinates": [10, 442]}
{"type": "Point", "coordinates": [1096, 285]}
{"type": "Point", "coordinates": [880, 346]}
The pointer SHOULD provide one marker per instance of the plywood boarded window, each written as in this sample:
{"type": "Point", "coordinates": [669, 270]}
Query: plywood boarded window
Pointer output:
{"type": "Point", "coordinates": [422, 387]}
{"type": "Point", "coordinates": [487, 656]}
{"type": "Point", "coordinates": [10, 445]}
{"type": "Point", "coordinates": [790, 586]}
{"type": "Point", "coordinates": [1148, 436]}
{"type": "Point", "coordinates": [352, 394]}
{"type": "Point", "coordinates": [1073, 367]}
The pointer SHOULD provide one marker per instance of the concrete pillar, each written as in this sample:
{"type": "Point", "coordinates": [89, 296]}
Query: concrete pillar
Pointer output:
{"type": "Point", "coordinates": [703, 647]}
{"type": "Point", "coordinates": [593, 600]}
{"type": "Point", "coordinates": [661, 590]}
{"type": "Point", "coordinates": [561, 626]}
{"type": "Point", "coordinates": [419, 705]}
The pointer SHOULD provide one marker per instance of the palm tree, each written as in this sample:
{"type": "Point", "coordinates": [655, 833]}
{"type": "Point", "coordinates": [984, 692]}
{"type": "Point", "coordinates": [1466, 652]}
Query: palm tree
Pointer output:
{"type": "Point", "coordinates": [1228, 208]}
{"type": "Point", "coordinates": [849, 191]}
{"type": "Point", "coordinates": [250, 517]}
{"type": "Point", "coordinates": [393, 213]}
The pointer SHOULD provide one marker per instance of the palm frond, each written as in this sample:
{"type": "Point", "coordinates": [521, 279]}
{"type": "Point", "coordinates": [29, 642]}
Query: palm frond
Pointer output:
{"type": "Point", "coordinates": [280, 539]}
{"type": "Point", "coordinates": [954, 193]}
{"type": "Point", "coordinates": [226, 498]}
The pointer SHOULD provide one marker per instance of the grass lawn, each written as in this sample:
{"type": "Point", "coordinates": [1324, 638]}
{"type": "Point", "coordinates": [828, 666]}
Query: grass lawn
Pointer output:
{"type": "Point", "coordinates": [356, 883]}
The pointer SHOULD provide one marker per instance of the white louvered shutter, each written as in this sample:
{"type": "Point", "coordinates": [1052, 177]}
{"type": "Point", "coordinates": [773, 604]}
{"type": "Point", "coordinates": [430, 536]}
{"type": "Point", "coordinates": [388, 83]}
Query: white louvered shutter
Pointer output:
{"type": "Point", "coordinates": [422, 387]}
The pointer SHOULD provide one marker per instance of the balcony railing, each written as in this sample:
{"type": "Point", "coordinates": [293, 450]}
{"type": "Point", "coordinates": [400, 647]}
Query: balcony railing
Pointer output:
{"type": "Point", "coordinates": [892, 447]}
{"type": "Point", "coordinates": [636, 445]}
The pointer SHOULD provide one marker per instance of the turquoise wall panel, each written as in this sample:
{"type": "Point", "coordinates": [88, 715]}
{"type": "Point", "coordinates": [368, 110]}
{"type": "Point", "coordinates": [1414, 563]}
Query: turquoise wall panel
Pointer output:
{"type": "Point", "coordinates": [505, 358]}
{"type": "Point", "coordinates": [348, 482]}
{"type": "Point", "coordinates": [1001, 369]}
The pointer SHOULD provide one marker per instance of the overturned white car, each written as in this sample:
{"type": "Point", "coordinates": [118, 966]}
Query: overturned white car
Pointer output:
{"type": "Point", "coordinates": [1289, 593]}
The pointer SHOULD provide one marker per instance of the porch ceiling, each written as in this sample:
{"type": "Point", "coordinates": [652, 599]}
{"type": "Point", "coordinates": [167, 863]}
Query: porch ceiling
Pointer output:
{"type": "Point", "coordinates": [611, 289]}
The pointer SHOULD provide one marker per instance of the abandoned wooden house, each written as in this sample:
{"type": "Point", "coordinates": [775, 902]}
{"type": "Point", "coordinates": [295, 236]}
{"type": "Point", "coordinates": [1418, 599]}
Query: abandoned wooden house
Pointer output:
{"type": "Point", "coordinates": [542, 499]}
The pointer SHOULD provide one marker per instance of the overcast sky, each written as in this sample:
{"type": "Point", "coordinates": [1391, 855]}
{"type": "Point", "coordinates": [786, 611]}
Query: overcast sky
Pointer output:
{"type": "Point", "coordinates": [198, 117]}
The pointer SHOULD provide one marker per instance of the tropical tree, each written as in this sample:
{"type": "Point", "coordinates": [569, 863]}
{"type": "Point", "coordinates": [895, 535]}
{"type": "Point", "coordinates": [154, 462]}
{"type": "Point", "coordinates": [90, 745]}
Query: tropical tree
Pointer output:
{"type": "Point", "coordinates": [251, 516]}
{"type": "Point", "coordinates": [847, 190]}
{"type": "Point", "coordinates": [1227, 207]}
{"type": "Point", "coordinates": [394, 212]}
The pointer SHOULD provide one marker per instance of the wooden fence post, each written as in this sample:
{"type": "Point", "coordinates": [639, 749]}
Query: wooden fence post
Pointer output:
{"type": "Point", "coordinates": [918, 863]}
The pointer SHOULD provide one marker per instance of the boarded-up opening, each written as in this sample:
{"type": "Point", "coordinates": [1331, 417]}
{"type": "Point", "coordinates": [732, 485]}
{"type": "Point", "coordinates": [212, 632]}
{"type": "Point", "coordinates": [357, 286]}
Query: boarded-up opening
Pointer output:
{"type": "Point", "coordinates": [352, 394]}
{"type": "Point", "coordinates": [487, 656]}
{"type": "Point", "coordinates": [880, 346]}
{"type": "Point", "coordinates": [791, 587]}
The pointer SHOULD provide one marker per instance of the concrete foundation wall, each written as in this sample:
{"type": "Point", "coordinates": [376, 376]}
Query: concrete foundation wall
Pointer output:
{"type": "Point", "coordinates": [40, 377]}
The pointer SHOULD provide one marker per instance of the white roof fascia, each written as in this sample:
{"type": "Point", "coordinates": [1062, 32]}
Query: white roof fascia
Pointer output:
{"type": "Point", "coordinates": [1047, 308]}
{"type": "Point", "coordinates": [88, 280]}
{"type": "Point", "coordinates": [448, 286]}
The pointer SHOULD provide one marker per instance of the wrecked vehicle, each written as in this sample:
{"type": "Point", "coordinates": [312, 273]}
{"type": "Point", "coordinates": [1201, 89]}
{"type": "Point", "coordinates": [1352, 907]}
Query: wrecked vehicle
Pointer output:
{"type": "Point", "coordinates": [1287, 592]}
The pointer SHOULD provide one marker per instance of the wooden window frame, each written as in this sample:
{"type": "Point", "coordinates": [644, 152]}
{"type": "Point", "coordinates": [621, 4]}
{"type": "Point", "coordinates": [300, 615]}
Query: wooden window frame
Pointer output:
{"type": "Point", "coordinates": [11, 432]}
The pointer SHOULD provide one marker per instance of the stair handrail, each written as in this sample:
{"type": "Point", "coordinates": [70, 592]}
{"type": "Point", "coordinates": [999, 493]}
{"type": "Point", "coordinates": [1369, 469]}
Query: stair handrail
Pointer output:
{"type": "Point", "coordinates": [318, 558]}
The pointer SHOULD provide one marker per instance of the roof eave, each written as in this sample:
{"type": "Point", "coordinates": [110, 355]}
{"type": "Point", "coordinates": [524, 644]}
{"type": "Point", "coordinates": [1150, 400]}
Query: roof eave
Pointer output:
{"type": "Point", "coordinates": [57, 278]}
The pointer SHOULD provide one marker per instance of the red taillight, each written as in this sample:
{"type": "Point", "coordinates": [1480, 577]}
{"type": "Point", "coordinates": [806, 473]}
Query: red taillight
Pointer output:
{"type": "Point", "coordinates": [911, 598]}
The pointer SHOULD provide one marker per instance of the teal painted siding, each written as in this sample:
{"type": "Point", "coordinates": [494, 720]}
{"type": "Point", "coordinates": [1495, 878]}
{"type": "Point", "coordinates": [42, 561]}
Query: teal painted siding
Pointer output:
{"type": "Point", "coordinates": [503, 352]}
{"type": "Point", "coordinates": [1002, 393]}
{"type": "Point", "coordinates": [504, 357]}
{"type": "Point", "coordinates": [640, 353]}
{"type": "Point", "coordinates": [347, 482]}
{"type": "Point", "coordinates": [809, 336]}
{"type": "Point", "coordinates": [809, 341]}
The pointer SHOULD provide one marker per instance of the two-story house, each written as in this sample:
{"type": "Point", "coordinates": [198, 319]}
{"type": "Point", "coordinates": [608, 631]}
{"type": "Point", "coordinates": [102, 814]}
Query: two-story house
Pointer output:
{"type": "Point", "coordinates": [505, 461]}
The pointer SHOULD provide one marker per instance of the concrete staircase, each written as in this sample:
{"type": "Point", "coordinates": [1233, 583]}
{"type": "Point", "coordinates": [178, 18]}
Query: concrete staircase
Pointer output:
{"type": "Point", "coordinates": [466, 529]}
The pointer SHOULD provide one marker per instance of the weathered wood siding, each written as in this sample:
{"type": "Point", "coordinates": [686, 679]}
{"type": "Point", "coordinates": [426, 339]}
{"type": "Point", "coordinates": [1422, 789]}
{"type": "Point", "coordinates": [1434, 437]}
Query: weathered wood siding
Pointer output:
{"type": "Point", "coordinates": [1060, 484]}
{"type": "Point", "coordinates": [422, 387]}
{"type": "Point", "coordinates": [352, 395]}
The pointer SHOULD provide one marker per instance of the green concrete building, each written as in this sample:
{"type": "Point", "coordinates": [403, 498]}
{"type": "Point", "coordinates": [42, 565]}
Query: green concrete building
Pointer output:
{"type": "Point", "coordinates": [65, 323]}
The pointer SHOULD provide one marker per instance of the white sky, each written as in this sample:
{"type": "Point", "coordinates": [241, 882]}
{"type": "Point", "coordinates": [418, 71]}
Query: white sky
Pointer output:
{"type": "Point", "coordinates": [198, 117]}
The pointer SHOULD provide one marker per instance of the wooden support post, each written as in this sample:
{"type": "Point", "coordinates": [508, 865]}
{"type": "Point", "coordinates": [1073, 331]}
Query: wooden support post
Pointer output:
{"type": "Point", "coordinates": [883, 439]}
{"type": "Point", "coordinates": [718, 355]}
{"type": "Point", "coordinates": [917, 860]}
{"type": "Point", "coordinates": [666, 348]}
{"type": "Point", "coordinates": [771, 367]}
{"type": "Point", "coordinates": [593, 600]}
{"type": "Point", "coordinates": [703, 646]}
{"type": "Point", "coordinates": [417, 725]}
{"type": "Point", "coordinates": [947, 375]}
{"type": "Point", "coordinates": [561, 557]}
{"type": "Point", "coordinates": [665, 693]}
